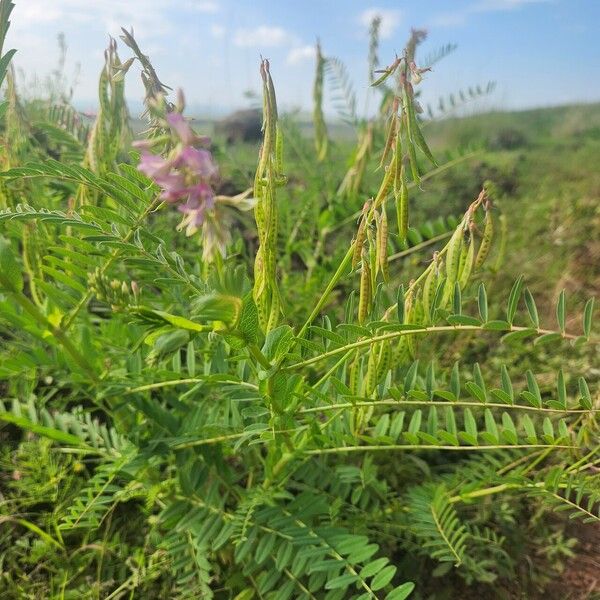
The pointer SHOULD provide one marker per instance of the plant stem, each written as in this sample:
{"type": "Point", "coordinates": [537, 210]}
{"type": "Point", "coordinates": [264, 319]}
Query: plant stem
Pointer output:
{"type": "Point", "coordinates": [397, 334]}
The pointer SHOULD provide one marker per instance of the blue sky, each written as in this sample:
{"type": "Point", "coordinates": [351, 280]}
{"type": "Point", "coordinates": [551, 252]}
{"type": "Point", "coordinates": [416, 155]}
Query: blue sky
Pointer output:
{"type": "Point", "coordinates": [539, 52]}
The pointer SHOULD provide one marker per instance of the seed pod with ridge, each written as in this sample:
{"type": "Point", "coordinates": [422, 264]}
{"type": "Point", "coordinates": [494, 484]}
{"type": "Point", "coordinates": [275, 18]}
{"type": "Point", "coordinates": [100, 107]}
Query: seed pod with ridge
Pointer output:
{"type": "Point", "coordinates": [453, 254]}
{"type": "Point", "coordinates": [382, 245]}
{"type": "Point", "coordinates": [361, 235]}
{"type": "Point", "coordinates": [486, 242]}
{"type": "Point", "coordinates": [430, 285]}
{"type": "Point", "coordinates": [467, 268]}
{"type": "Point", "coordinates": [384, 360]}
{"type": "Point", "coordinates": [353, 374]}
{"type": "Point", "coordinates": [386, 184]}
{"type": "Point", "coordinates": [364, 299]}
{"type": "Point", "coordinates": [370, 382]}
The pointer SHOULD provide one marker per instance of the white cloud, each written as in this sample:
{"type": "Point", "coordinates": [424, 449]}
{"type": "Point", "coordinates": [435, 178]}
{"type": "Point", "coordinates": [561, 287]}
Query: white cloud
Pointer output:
{"type": "Point", "coordinates": [493, 5]}
{"type": "Point", "coordinates": [203, 6]}
{"type": "Point", "coordinates": [301, 54]}
{"type": "Point", "coordinates": [217, 31]}
{"type": "Point", "coordinates": [150, 18]}
{"type": "Point", "coordinates": [460, 17]}
{"type": "Point", "coordinates": [390, 19]}
{"type": "Point", "coordinates": [262, 36]}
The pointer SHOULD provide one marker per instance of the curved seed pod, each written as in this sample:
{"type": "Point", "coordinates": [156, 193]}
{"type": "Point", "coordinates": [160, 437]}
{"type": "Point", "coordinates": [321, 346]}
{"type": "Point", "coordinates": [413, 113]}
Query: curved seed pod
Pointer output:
{"type": "Point", "coordinates": [400, 353]}
{"type": "Point", "coordinates": [453, 254]}
{"type": "Point", "coordinates": [353, 374]}
{"type": "Point", "coordinates": [398, 154]}
{"type": "Point", "coordinates": [382, 246]}
{"type": "Point", "coordinates": [386, 184]}
{"type": "Point", "coordinates": [486, 242]}
{"type": "Point", "coordinates": [364, 299]}
{"type": "Point", "coordinates": [430, 285]}
{"type": "Point", "coordinates": [412, 318]}
{"type": "Point", "coordinates": [391, 136]}
{"type": "Point", "coordinates": [384, 360]}
{"type": "Point", "coordinates": [402, 209]}
{"type": "Point", "coordinates": [370, 382]}
{"type": "Point", "coordinates": [278, 150]}
{"type": "Point", "coordinates": [361, 235]}
{"type": "Point", "coordinates": [321, 137]}
{"type": "Point", "coordinates": [274, 311]}
{"type": "Point", "coordinates": [463, 257]}
{"type": "Point", "coordinates": [467, 268]}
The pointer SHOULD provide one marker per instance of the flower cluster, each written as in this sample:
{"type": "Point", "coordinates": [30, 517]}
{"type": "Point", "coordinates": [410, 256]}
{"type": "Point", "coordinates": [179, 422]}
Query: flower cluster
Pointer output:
{"type": "Point", "coordinates": [186, 175]}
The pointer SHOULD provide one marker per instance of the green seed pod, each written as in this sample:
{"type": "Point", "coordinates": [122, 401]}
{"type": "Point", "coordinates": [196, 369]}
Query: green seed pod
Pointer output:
{"type": "Point", "coordinates": [402, 209]}
{"type": "Point", "coordinates": [486, 242]}
{"type": "Point", "coordinates": [384, 361]}
{"type": "Point", "coordinates": [467, 268]}
{"type": "Point", "coordinates": [370, 382]}
{"type": "Point", "coordinates": [364, 299]}
{"type": "Point", "coordinates": [453, 254]}
{"type": "Point", "coordinates": [391, 135]}
{"type": "Point", "coordinates": [361, 235]}
{"type": "Point", "coordinates": [382, 246]}
{"type": "Point", "coordinates": [400, 354]}
{"type": "Point", "coordinates": [430, 285]}
{"type": "Point", "coordinates": [274, 310]}
{"type": "Point", "coordinates": [353, 374]}
{"type": "Point", "coordinates": [386, 184]}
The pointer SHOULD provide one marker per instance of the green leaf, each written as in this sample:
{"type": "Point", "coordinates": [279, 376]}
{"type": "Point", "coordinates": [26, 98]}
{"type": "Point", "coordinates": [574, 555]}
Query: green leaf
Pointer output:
{"type": "Point", "coordinates": [560, 311]}
{"type": "Point", "coordinates": [411, 377]}
{"type": "Point", "coordinates": [476, 391]}
{"type": "Point", "coordinates": [401, 592]}
{"type": "Point", "coordinates": [529, 430]}
{"type": "Point", "coordinates": [532, 309]}
{"type": "Point", "coordinates": [509, 432]}
{"type": "Point", "coordinates": [11, 277]}
{"type": "Point", "coordinates": [400, 304]}
{"type": "Point", "coordinates": [482, 302]}
{"type": "Point", "coordinates": [373, 568]}
{"type": "Point", "coordinates": [547, 338]}
{"type": "Point", "coordinates": [341, 581]}
{"type": "Point", "coordinates": [513, 299]}
{"type": "Point", "coordinates": [383, 577]}
{"type": "Point", "coordinates": [502, 396]}
{"type": "Point", "coordinates": [517, 336]}
{"type": "Point", "coordinates": [463, 320]}
{"type": "Point", "coordinates": [507, 385]}
{"type": "Point", "coordinates": [248, 322]}
{"type": "Point", "coordinates": [415, 421]}
{"type": "Point", "coordinates": [4, 61]}
{"type": "Point", "coordinates": [585, 397]}
{"type": "Point", "coordinates": [174, 320]}
{"type": "Point", "coordinates": [548, 430]}
{"type": "Point", "coordinates": [490, 425]}
{"type": "Point", "coordinates": [49, 432]}
{"type": "Point", "coordinates": [457, 299]}
{"type": "Point", "coordinates": [470, 424]}
{"type": "Point", "coordinates": [278, 343]}
{"type": "Point", "coordinates": [534, 388]}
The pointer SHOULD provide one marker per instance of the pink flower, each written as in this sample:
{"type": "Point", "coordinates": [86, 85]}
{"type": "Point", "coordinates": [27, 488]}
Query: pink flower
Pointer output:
{"type": "Point", "coordinates": [154, 165]}
{"type": "Point", "coordinates": [181, 128]}
{"type": "Point", "coordinates": [185, 176]}
{"type": "Point", "coordinates": [199, 161]}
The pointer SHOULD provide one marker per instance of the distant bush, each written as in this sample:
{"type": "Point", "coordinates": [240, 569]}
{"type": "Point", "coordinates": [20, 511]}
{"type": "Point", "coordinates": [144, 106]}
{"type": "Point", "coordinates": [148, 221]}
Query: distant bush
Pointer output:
{"type": "Point", "coordinates": [507, 139]}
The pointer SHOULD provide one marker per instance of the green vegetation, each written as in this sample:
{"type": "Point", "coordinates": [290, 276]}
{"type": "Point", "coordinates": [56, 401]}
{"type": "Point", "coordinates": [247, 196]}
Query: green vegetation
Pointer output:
{"type": "Point", "coordinates": [368, 371]}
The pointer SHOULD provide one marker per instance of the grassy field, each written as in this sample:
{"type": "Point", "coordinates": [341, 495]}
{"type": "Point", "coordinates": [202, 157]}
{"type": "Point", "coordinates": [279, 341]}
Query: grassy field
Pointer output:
{"type": "Point", "coordinates": [341, 363]}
